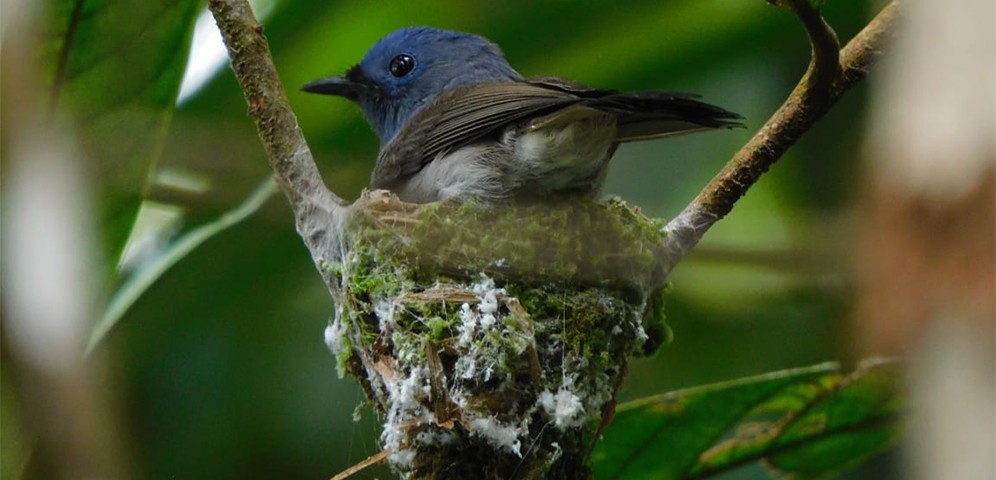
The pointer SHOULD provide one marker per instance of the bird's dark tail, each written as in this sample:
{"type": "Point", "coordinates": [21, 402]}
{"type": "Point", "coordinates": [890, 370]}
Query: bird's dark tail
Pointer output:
{"type": "Point", "coordinates": [648, 115]}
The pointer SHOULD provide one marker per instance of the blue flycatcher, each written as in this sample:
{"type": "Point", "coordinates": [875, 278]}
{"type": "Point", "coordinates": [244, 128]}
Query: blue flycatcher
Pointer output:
{"type": "Point", "coordinates": [456, 120]}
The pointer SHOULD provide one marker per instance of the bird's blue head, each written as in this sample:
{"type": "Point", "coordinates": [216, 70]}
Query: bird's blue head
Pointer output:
{"type": "Point", "coordinates": [410, 67]}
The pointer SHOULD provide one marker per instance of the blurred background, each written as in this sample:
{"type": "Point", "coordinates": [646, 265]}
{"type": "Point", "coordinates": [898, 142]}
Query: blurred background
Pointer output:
{"type": "Point", "coordinates": [219, 369]}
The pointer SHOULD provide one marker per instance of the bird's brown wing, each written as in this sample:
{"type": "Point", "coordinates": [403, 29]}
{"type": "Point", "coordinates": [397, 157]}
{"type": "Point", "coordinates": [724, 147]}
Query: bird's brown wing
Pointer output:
{"type": "Point", "coordinates": [469, 113]}
{"type": "Point", "coordinates": [461, 116]}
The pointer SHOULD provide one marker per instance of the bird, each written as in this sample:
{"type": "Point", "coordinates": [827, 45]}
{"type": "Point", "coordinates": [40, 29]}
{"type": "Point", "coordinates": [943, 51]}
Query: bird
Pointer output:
{"type": "Point", "coordinates": [455, 120]}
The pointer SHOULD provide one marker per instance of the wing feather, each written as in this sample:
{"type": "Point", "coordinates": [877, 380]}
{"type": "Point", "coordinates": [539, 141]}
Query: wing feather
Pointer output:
{"type": "Point", "coordinates": [464, 115]}
{"type": "Point", "coordinates": [461, 116]}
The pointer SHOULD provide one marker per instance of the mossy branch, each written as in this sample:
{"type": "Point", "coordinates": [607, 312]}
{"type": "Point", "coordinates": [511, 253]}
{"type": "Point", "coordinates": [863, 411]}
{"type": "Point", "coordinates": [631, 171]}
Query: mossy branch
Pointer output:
{"type": "Point", "coordinates": [831, 73]}
{"type": "Point", "coordinates": [315, 206]}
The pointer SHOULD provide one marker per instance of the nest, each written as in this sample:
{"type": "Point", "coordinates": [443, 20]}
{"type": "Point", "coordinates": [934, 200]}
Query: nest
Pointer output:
{"type": "Point", "coordinates": [493, 339]}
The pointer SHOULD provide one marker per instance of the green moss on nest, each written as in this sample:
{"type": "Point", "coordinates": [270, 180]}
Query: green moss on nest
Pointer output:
{"type": "Point", "coordinates": [483, 325]}
{"type": "Point", "coordinates": [603, 244]}
{"type": "Point", "coordinates": [655, 322]}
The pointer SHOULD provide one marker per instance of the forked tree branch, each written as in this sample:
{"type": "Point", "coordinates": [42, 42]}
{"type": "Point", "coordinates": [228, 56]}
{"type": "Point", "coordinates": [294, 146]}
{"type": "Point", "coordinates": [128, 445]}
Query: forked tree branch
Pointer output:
{"type": "Point", "coordinates": [830, 74]}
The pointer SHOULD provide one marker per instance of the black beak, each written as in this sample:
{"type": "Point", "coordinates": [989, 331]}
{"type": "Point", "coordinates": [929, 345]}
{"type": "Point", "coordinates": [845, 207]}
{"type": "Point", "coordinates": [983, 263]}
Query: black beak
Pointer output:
{"type": "Point", "coordinates": [353, 85]}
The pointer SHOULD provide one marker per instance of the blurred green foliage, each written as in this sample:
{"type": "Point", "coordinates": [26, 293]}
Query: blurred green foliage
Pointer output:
{"type": "Point", "coordinates": [115, 69]}
{"type": "Point", "coordinates": [221, 367]}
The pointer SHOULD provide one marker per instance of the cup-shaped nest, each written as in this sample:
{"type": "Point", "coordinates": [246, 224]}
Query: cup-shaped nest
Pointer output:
{"type": "Point", "coordinates": [493, 338]}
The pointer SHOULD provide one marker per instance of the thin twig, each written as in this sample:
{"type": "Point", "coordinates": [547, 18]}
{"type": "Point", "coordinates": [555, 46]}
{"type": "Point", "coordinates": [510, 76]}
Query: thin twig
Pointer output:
{"type": "Point", "coordinates": [866, 48]}
{"type": "Point", "coordinates": [829, 76]}
{"type": "Point", "coordinates": [371, 460]}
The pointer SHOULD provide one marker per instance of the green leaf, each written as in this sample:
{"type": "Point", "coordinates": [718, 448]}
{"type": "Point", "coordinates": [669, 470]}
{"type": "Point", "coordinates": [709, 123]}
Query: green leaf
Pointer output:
{"type": "Point", "coordinates": [114, 69]}
{"type": "Point", "coordinates": [804, 423]}
{"type": "Point", "coordinates": [140, 281]}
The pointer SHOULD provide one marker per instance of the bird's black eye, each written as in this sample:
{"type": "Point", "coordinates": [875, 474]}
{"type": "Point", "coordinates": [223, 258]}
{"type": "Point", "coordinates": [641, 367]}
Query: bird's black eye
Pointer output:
{"type": "Point", "coordinates": [401, 65]}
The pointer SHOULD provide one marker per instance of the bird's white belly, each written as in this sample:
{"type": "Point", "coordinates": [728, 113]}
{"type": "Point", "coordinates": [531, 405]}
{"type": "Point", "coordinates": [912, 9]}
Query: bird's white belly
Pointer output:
{"type": "Point", "coordinates": [571, 156]}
